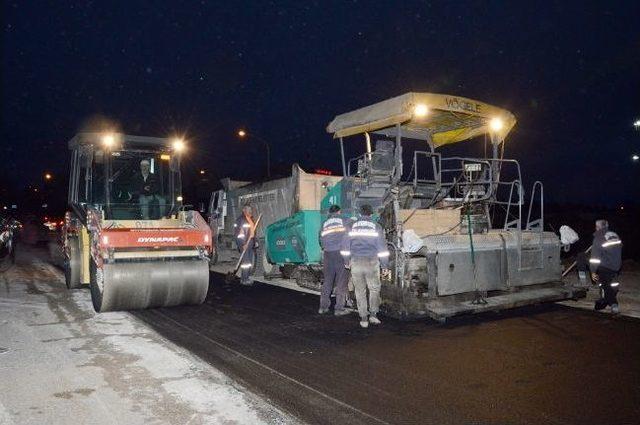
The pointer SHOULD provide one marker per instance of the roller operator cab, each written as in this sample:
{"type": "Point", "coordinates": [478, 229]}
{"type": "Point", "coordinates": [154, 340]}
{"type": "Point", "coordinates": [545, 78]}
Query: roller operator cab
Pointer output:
{"type": "Point", "coordinates": [126, 233]}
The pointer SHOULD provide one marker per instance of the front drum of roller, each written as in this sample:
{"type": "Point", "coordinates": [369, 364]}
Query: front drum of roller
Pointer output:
{"type": "Point", "coordinates": [140, 285]}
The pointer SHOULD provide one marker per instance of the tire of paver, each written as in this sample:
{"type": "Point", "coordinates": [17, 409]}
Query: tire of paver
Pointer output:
{"type": "Point", "coordinates": [72, 265]}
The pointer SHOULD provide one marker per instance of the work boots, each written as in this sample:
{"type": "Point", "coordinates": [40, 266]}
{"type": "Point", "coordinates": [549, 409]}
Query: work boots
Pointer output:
{"type": "Point", "coordinates": [374, 320]}
{"type": "Point", "coordinates": [600, 304]}
{"type": "Point", "coordinates": [364, 323]}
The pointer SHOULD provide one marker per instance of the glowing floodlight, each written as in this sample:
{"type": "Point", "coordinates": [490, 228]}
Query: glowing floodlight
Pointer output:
{"type": "Point", "coordinates": [178, 145]}
{"type": "Point", "coordinates": [420, 110]}
{"type": "Point", "coordinates": [108, 140]}
{"type": "Point", "coordinates": [496, 124]}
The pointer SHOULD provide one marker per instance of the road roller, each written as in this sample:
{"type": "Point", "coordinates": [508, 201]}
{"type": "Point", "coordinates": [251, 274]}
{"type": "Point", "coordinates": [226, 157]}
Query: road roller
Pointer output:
{"type": "Point", "coordinates": [127, 234]}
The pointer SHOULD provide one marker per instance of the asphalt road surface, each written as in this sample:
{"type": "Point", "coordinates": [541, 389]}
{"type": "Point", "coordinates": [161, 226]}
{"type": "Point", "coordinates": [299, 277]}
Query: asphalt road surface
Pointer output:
{"type": "Point", "coordinates": [538, 365]}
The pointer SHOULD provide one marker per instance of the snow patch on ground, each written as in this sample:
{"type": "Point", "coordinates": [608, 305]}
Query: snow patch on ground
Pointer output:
{"type": "Point", "coordinates": [62, 362]}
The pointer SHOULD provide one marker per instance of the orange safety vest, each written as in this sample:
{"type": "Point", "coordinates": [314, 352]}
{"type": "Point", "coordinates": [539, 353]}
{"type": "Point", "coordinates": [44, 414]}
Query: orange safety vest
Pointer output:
{"type": "Point", "coordinates": [252, 229]}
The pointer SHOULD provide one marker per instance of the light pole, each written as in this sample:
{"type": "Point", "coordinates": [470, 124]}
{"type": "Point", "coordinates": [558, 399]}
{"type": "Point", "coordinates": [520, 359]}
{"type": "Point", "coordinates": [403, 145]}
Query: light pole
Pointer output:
{"type": "Point", "coordinates": [635, 157]}
{"type": "Point", "coordinates": [244, 134]}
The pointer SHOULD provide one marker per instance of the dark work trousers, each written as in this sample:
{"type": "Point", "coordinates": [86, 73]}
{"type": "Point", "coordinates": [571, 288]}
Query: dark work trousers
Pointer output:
{"type": "Point", "coordinates": [608, 295]}
{"type": "Point", "coordinates": [335, 275]}
{"type": "Point", "coordinates": [247, 261]}
{"type": "Point", "coordinates": [582, 262]}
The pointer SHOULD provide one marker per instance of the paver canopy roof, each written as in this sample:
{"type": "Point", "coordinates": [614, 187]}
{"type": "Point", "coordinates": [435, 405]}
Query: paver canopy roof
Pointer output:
{"type": "Point", "coordinates": [440, 118]}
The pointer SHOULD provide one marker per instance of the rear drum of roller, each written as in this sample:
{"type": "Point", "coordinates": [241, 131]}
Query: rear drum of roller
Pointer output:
{"type": "Point", "coordinates": [140, 285]}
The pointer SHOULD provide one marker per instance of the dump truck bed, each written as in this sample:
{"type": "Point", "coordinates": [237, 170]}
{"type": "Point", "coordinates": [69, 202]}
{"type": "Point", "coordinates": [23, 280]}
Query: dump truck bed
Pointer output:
{"type": "Point", "coordinates": [275, 199]}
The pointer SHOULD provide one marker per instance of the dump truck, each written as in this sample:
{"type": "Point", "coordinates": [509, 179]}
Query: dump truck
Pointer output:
{"type": "Point", "coordinates": [126, 234]}
{"type": "Point", "coordinates": [462, 237]}
{"type": "Point", "coordinates": [296, 197]}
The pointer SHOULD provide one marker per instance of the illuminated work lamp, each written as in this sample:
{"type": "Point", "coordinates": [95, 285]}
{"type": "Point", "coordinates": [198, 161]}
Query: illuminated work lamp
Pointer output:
{"type": "Point", "coordinates": [420, 110]}
{"type": "Point", "coordinates": [108, 140]}
{"type": "Point", "coordinates": [496, 124]}
{"type": "Point", "coordinates": [178, 145]}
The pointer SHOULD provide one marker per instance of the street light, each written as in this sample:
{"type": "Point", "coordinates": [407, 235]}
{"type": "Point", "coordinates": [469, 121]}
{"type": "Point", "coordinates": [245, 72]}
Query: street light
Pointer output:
{"type": "Point", "coordinates": [48, 176]}
{"type": "Point", "coordinates": [635, 157]}
{"type": "Point", "coordinates": [244, 134]}
{"type": "Point", "coordinates": [636, 124]}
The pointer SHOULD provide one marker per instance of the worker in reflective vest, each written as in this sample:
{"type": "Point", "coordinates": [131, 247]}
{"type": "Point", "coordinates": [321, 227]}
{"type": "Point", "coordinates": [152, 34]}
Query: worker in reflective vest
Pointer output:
{"type": "Point", "coordinates": [245, 230]}
{"type": "Point", "coordinates": [366, 249]}
{"type": "Point", "coordinates": [335, 275]}
{"type": "Point", "coordinates": [605, 264]}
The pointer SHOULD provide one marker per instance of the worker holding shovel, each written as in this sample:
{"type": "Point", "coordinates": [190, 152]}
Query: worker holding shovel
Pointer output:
{"type": "Point", "coordinates": [245, 228]}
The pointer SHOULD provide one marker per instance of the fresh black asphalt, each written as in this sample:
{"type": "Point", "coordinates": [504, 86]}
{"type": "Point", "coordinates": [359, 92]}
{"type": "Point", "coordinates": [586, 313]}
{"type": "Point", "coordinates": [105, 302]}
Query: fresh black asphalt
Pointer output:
{"type": "Point", "coordinates": [545, 364]}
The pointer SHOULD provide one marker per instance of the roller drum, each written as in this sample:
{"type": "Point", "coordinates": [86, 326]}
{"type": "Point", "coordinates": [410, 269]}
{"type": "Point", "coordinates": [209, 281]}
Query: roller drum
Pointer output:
{"type": "Point", "coordinates": [140, 285]}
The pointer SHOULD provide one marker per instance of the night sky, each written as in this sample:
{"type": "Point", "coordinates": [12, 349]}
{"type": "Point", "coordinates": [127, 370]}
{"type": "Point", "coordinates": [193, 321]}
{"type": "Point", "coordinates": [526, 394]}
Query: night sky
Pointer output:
{"type": "Point", "coordinates": [568, 70]}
